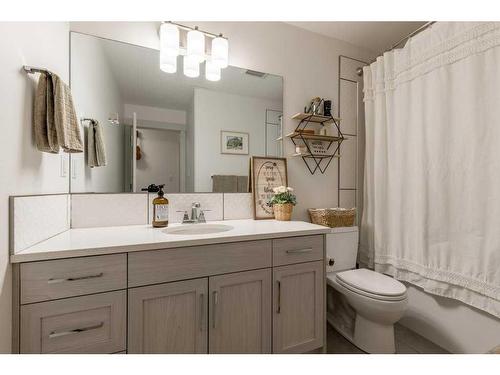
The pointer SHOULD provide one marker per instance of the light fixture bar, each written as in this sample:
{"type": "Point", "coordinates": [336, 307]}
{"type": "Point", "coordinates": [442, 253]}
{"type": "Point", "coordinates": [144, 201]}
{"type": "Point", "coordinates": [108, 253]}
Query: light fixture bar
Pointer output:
{"type": "Point", "coordinates": [188, 28]}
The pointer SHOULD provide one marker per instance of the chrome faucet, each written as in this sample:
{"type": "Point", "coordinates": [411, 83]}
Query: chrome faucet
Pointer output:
{"type": "Point", "coordinates": [197, 215]}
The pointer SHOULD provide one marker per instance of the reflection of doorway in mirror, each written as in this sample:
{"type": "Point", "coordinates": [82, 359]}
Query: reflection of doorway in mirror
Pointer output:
{"type": "Point", "coordinates": [273, 124]}
{"type": "Point", "coordinates": [160, 159]}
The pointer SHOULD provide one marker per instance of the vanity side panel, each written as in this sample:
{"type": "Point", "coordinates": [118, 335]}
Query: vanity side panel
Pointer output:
{"type": "Point", "coordinates": [159, 266]}
{"type": "Point", "coordinates": [16, 303]}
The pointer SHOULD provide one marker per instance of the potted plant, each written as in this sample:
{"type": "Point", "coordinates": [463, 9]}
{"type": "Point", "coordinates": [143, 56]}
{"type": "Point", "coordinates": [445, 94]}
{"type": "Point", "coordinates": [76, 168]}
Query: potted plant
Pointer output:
{"type": "Point", "coordinates": [282, 203]}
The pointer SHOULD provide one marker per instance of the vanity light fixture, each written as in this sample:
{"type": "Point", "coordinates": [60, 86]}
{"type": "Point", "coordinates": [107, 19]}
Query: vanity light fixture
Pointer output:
{"type": "Point", "coordinates": [193, 53]}
{"type": "Point", "coordinates": [220, 52]}
{"type": "Point", "coordinates": [169, 47]}
{"type": "Point", "coordinates": [196, 45]}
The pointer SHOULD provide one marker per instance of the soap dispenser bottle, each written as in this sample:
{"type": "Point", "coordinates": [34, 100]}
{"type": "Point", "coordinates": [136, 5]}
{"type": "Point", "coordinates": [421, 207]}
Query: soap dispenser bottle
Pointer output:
{"type": "Point", "coordinates": [160, 209]}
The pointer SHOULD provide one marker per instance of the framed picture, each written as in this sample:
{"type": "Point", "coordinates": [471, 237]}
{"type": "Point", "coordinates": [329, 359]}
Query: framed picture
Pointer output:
{"type": "Point", "coordinates": [266, 174]}
{"type": "Point", "coordinates": [234, 142]}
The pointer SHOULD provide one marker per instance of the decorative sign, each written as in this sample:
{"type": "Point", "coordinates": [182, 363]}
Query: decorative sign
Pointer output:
{"type": "Point", "coordinates": [318, 147]}
{"type": "Point", "coordinates": [266, 174]}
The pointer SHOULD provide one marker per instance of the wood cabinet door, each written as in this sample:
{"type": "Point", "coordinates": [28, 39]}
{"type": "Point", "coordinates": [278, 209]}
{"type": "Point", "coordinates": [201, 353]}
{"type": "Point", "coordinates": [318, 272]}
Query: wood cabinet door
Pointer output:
{"type": "Point", "coordinates": [240, 312]}
{"type": "Point", "coordinates": [168, 318]}
{"type": "Point", "coordinates": [298, 307]}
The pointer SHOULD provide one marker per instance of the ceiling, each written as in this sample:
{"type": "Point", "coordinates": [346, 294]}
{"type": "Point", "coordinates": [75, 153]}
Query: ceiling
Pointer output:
{"type": "Point", "coordinates": [140, 81]}
{"type": "Point", "coordinates": [374, 36]}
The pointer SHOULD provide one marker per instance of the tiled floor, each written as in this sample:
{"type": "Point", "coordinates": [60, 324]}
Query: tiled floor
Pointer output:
{"type": "Point", "coordinates": [407, 342]}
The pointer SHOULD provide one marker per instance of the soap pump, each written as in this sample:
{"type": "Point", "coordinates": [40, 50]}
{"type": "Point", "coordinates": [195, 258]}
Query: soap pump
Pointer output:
{"type": "Point", "coordinates": [160, 209]}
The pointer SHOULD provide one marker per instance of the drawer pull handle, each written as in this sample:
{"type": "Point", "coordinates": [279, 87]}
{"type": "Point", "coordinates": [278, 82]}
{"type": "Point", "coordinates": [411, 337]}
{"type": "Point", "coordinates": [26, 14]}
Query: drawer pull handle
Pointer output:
{"type": "Point", "coordinates": [57, 281]}
{"type": "Point", "coordinates": [214, 310]}
{"type": "Point", "coordinates": [279, 297]}
{"type": "Point", "coordinates": [299, 251]}
{"type": "Point", "coordinates": [55, 334]}
{"type": "Point", "coordinates": [202, 308]}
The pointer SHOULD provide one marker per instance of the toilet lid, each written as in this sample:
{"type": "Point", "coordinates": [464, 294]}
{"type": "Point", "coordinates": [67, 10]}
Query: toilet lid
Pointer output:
{"type": "Point", "coordinates": [372, 282]}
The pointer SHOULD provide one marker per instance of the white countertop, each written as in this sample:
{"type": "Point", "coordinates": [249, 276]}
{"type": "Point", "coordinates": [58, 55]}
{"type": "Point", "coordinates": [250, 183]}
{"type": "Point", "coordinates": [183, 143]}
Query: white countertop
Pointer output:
{"type": "Point", "coordinates": [109, 240]}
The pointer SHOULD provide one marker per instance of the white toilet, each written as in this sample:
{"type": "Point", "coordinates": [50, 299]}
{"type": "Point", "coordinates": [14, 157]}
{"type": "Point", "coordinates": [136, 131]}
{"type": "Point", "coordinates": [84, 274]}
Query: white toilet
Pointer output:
{"type": "Point", "coordinates": [363, 305]}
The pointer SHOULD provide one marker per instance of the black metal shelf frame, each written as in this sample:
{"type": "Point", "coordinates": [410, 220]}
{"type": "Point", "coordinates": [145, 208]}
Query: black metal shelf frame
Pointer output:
{"type": "Point", "coordinates": [317, 159]}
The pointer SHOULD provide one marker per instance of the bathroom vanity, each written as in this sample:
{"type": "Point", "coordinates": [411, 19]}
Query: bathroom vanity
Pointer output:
{"type": "Point", "coordinates": [258, 288]}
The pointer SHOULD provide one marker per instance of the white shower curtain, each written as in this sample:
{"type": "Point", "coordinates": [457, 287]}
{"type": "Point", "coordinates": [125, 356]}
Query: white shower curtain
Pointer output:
{"type": "Point", "coordinates": [432, 170]}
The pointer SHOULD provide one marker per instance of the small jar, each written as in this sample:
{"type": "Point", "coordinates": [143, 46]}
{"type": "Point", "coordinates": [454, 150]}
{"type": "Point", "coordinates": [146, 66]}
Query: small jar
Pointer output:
{"type": "Point", "coordinates": [299, 149]}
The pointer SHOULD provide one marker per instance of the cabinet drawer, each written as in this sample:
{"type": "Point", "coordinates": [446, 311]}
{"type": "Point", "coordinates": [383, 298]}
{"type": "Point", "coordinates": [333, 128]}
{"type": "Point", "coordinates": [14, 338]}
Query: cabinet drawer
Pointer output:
{"type": "Point", "coordinates": [158, 266]}
{"type": "Point", "coordinates": [297, 250]}
{"type": "Point", "coordinates": [88, 324]}
{"type": "Point", "coordinates": [42, 281]}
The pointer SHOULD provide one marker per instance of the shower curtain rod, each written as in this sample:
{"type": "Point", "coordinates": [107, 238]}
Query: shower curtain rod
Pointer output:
{"type": "Point", "coordinates": [359, 71]}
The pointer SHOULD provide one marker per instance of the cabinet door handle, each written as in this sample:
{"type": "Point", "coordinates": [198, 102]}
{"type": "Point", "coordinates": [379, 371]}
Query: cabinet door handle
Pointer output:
{"type": "Point", "coordinates": [57, 281]}
{"type": "Point", "coordinates": [202, 309]}
{"type": "Point", "coordinates": [299, 251]}
{"type": "Point", "coordinates": [278, 310]}
{"type": "Point", "coordinates": [214, 309]}
{"type": "Point", "coordinates": [55, 334]}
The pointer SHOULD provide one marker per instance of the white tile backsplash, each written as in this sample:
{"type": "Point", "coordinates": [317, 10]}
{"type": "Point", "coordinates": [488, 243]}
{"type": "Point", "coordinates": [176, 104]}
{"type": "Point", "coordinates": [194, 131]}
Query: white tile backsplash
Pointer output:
{"type": "Point", "coordinates": [238, 206]}
{"type": "Point", "coordinates": [37, 218]}
{"type": "Point", "coordinates": [106, 210]}
{"type": "Point", "coordinates": [211, 204]}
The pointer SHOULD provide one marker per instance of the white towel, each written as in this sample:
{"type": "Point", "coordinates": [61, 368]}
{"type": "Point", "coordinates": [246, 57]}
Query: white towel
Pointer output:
{"type": "Point", "coordinates": [96, 151]}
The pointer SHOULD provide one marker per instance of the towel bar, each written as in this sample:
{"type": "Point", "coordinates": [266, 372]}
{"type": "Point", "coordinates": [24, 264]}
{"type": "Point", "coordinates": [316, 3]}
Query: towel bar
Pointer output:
{"type": "Point", "coordinates": [32, 70]}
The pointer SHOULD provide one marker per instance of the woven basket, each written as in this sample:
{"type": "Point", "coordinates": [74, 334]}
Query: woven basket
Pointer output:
{"type": "Point", "coordinates": [333, 217]}
{"type": "Point", "coordinates": [283, 211]}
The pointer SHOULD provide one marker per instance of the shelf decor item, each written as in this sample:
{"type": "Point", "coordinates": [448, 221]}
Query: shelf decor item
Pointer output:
{"type": "Point", "coordinates": [333, 217]}
{"type": "Point", "coordinates": [319, 146]}
{"type": "Point", "coordinates": [282, 203]}
{"type": "Point", "coordinates": [235, 143]}
{"type": "Point", "coordinates": [266, 173]}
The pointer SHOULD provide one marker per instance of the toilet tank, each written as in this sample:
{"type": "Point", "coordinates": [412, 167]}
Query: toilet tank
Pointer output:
{"type": "Point", "coordinates": [342, 248]}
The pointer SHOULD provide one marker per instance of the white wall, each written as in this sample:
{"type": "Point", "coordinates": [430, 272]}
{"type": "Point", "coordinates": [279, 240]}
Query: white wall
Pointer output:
{"type": "Point", "coordinates": [96, 95]}
{"type": "Point", "coordinates": [215, 111]}
{"type": "Point", "coordinates": [307, 61]}
{"type": "Point", "coordinates": [23, 169]}
{"type": "Point", "coordinates": [160, 162]}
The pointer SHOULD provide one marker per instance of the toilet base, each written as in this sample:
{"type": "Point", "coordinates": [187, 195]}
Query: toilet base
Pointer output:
{"type": "Point", "coordinates": [373, 337]}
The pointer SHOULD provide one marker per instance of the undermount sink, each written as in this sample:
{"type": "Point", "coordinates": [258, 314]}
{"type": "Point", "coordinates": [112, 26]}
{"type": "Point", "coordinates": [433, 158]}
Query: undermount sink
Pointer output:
{"type": "Point", "coordinates": [193, 229]}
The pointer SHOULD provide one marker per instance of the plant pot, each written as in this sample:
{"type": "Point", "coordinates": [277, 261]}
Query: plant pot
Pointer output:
{"type": "Point", "coordinates": [283, 211]}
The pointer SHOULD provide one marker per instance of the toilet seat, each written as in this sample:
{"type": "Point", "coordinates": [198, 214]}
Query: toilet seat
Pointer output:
{"type": "Point", "coordinates": [372, 284]}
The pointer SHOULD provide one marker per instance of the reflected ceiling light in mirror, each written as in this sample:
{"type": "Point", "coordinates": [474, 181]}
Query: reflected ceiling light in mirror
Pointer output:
{"type": "Point", "coordinates": [191, 67]}
{"type": "Point", "coordinates": [169, 39]}
{"type": "Point", "coordinates": [168, 63]}
{"type": "Point", "coordinates": [212, 71]}
{"type": "Point", "coordinates": [220, 52]}
{"type": "Point", "coordinates": [193, 52]}
{"type": "Point", "coordinates": [196, 45]}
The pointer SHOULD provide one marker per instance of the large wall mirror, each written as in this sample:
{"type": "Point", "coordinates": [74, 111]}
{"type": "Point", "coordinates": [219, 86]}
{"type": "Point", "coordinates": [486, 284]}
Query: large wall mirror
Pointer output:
{"type": "Point", "coordinates": [161, 128]}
